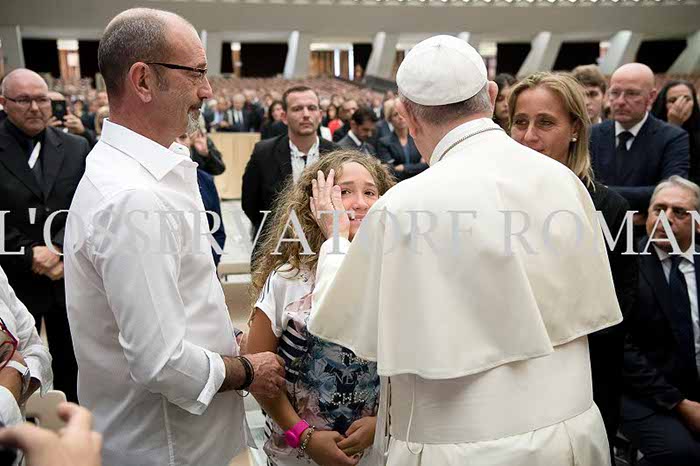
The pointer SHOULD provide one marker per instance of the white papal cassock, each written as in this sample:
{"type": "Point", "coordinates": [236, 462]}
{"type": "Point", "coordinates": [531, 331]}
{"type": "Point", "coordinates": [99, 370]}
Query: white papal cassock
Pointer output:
{"type": "Point", "coordinates": [479, 333]}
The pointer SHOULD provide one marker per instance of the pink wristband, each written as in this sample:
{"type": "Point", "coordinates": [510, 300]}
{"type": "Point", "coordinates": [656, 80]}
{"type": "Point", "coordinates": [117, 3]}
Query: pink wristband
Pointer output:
{"type": "Point", "coordinates": [293, 435]}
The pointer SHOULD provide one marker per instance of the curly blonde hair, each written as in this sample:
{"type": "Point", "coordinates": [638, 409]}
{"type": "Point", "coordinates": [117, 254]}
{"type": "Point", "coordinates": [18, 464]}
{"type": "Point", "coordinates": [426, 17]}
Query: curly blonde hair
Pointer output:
{"type": "Point", "coordinates": [296, 197]}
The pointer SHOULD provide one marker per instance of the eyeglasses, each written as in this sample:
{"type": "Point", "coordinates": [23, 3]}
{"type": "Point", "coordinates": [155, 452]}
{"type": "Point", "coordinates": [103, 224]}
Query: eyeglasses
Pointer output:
{"type": "Point", "coordinates": [627, 94]}
{"type": "Point", "coordinates": [201, 71]}
{"type": "Point", "coordinates": [8, 344]}
{"type": "Point", "coordinates": [26, 102]}
{"type": "Point", "coordinates": [678, 212]}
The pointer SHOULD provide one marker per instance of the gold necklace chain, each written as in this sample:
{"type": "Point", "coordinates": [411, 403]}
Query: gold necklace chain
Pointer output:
{"type": "Point", "coordinates": [460, 141]}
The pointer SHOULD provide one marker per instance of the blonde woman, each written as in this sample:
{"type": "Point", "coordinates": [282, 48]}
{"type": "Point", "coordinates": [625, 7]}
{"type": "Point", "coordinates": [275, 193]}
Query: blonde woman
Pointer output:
{"type": "Point", "coordinates": [548, 114]}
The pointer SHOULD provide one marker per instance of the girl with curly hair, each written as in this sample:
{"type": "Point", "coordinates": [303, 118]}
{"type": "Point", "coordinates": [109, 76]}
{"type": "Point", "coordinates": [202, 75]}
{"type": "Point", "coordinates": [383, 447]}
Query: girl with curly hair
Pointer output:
{"type": "Point", "coordinates": [328, 414]}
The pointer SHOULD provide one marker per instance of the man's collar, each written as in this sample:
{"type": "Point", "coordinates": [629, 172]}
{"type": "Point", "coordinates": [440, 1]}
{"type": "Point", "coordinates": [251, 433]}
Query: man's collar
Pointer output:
{"type": "Point", "coordinates": [158, 160]}
{"type": "Point", "coordinates": [663, 255]}
{"type": "Point", "coordinates": [297, 153]}
{"type": "Point", "coordinates": [358, 143]}
{"type": "Point", "coordinates": [634, 130]}
{"type": "Point", "coordinates": [457, 133]}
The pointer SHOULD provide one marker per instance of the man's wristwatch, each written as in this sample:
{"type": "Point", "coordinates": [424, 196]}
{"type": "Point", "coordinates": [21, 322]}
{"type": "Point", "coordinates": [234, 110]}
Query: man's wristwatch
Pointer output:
{"type": "Point", "coordinates": [24, 372]}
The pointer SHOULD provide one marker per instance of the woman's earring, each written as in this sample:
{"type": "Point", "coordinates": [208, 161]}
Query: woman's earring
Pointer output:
{"type": "Point", "coordinates": [574, 139]}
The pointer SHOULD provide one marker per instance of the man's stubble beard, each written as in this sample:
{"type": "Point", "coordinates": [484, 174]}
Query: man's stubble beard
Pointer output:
{"type": "Point", "coordinates": [192, 121]}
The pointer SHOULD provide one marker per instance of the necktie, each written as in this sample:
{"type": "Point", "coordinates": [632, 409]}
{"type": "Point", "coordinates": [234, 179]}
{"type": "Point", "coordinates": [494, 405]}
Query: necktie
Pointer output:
{"type": "Point", "coordinates": [303, 158]}
{"type": "Point", "coordinates": [36, 169]}
{"type": "Point", "coordinates": [622, 155]}
{"type": "Point", "coordinates": [680, 303]}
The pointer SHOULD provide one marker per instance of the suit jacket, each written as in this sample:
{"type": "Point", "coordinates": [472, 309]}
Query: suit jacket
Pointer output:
{"type": "Point", "coordinates": [341, 132]}
{"type": "Point", "coordinates": [63, 162]}
{"type": "Point", "coordinates": [267, 172]}
{"type": "Point", "coordinates": [213, 163]}
{"type": "Point", "coordinates": [248, 123]}
{"type": "Point", "coordinates": [272, 129]}
{"type": "Point", "coordinates": [348, 143]}
{"type": "Point", "coordinates": [390, 151]}
{"type": "Point", "coordinates": [256, 115]}
{"type": "Point", "coordinates": [382, 130]}
{"type": "Point", "coordinates": [211, 117]}
{"type": "Point", "coordinates": [659, 151]}
{"type": "Point", "coordinates": [241, 127]}
{"type": "Point", "coordinates": [659, 367]}
{"type": "Point", "coordinates": [606, 346]}
{"type": "Point", "coordinates": [88, 120]}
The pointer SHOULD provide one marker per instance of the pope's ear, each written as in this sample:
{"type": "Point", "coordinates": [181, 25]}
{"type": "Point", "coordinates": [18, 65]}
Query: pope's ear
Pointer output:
{"type": "Point", "coordinates": [414, 125]}
{"type": "Point", "coordinates": [493, 93]}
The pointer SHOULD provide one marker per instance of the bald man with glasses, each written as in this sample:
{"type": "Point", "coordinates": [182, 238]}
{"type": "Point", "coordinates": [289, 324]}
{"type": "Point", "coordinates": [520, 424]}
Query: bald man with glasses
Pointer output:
{"type": "Point", "coordinates": [633, 152]}
{"type": "Point", "coordinates": [159, 361]}
{"type": "Point", "coordinates": [40, 168]}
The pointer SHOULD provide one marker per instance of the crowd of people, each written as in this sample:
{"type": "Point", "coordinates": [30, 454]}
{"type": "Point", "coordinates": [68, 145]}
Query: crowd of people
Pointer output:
{"type": "Point", "coordinates": [382, 330]}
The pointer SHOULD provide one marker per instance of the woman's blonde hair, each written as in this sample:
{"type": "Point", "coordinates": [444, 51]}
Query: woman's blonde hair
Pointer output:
{"type": "Point", "coordinates": [296, 198]}
{"type": "Point", "coordinates": [570, 93]}
{"type": "Point", "coordinates": [389, 107]}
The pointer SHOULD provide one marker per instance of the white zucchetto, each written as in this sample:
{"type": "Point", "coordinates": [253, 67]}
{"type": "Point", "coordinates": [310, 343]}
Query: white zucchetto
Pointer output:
{"type": "Point", "coordinates": [441, 70]}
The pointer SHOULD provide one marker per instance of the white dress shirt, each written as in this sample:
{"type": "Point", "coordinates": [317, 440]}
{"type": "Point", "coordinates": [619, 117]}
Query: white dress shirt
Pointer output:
{"type": "Point", "coordinates": [298, 164]}
{"type": "Point", "coordinates": [20, 323]}
{"type": "Point", "coordinates": [238, 116]}
{"type": "Point", "coordinates": [146, 309]}
{"type": "Point", "coordinates": [634, 130]}
{"type": "Point", "coordinates": [687, 266]}
{"type": "Point", "coordinates": [355, 139]}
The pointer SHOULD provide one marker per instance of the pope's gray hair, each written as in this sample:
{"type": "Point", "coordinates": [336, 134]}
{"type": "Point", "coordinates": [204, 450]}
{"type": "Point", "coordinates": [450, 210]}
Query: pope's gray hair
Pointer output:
{"type": "Point", "coordinates": [440, 114]}
{"type": "Point", "coordinates": [679, 182]}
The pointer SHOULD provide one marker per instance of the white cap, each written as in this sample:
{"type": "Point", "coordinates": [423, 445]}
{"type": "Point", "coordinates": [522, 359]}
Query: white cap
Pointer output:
{"type": "Point", "coordinates": [441, 70]}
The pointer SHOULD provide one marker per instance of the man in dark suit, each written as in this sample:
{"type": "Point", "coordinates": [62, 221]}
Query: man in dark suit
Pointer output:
{"type": "Point", "coordinates": [276, 161]}
{"type": "Point", "coordinates": [661, 406]}
{"type": "Point", "coordinates": [88, 117]}
{"type": "Point", "coordinates": [242, 120]}
{"type": "Point", "coordinates": [254, 109]}
{"type": "Point", "coordinates": [70, 123]}
{"type": "Point", "coordinates": [634, 151]}
{"type": "Point", "coordinates": [273, 130]}
{"type": "Point", "coordinates": [40, 168]}
{"type": "Point", "coordinates": [345, 114]}
{"type": "Point", "coordinates": [362, 126]}
{"type": "Point", "coordinates": [221, 119]}
{"type": "Point", "coordinates": [384, 127]}
{"type": "Point", "coordinates": [378, 106]}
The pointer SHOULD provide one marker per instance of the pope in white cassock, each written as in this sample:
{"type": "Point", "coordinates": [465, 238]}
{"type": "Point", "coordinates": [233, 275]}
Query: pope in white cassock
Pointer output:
{"type": "Point", "coordinates": [473, 286]}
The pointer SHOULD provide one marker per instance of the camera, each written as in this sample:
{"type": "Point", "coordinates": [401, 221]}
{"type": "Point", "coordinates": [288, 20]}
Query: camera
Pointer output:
{"type": "Point", "coordinates": [58, 108]}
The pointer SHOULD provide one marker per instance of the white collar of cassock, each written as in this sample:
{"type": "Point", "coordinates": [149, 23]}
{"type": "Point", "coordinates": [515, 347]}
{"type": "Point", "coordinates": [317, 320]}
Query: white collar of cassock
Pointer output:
{"type": "Point", "coordinates": [458, 133]}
